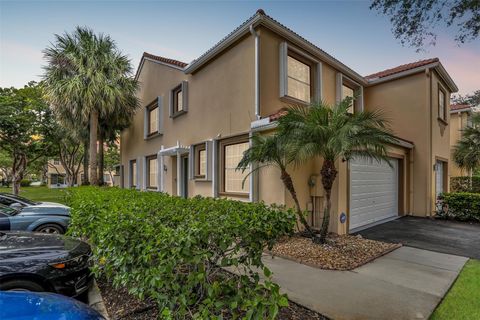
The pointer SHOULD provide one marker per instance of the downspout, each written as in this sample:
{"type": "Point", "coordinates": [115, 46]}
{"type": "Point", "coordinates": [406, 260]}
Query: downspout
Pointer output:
{"type": "Point", "coordinates": [257, 71]}
{"type": "Point", "coordinates": [430, 189]}
{"type": "Point", "coordinates": [253, 196]}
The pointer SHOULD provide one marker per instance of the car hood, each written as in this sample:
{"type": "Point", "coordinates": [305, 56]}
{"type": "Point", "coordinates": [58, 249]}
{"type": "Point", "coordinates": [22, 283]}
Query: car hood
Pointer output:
{"type": "Point", "coordinates": [17, 247]}
{"type": "Point", "coordinates": [50, 204]}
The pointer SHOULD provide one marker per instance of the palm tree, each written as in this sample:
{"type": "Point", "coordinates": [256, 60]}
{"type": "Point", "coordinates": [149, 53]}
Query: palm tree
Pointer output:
{"type": "Point", "coordinates": [332, 133]}
{"type": "Point", "coordinates": [269, 150]}
{"type": "Point", "coordinates": [88, 77]}
{"type": "Point", "coordinates": [466, 152]}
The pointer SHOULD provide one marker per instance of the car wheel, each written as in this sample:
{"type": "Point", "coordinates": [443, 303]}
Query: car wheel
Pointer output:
{"type": "Point", "coordinates": [21, 285]}
{"type": "Point", "coordinates": [50, 228]}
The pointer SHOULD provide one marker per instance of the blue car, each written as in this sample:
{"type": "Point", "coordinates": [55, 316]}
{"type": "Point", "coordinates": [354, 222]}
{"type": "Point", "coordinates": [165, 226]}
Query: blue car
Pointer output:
{"type": "Point", "coordinates": [34, 218]}
{"type": "Point", "coordinates": [43, 306]}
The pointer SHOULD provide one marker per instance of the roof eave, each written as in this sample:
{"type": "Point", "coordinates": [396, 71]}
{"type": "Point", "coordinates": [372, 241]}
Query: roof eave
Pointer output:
{"type": "Point", "coordinates": [279, 29]}
{"type": "Point", "coordinates": [435, 65]}
{"type": "Point", "coordinates": [467, 109]}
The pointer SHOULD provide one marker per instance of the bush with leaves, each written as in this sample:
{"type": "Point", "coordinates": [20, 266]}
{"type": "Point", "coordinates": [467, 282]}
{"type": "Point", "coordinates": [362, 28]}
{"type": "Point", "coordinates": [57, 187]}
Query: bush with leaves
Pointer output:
{"type": "Point", "coordinates": [172, 249]}
{"type": "Point", "coordinates": [461, 206]}
{"type": "Point", "coordinates": [465, 184]}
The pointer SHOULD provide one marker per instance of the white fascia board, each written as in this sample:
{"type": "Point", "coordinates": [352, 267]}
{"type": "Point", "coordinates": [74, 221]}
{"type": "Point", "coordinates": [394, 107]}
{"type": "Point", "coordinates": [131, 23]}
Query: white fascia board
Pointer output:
{"type": "Point", "coordinates": [259, 123]}
{"type": "Point", "coordinates": [469, 110]}
{"type": "Point", "coordinates": [137, 74]}
{"type": "Point", "coordinates": [269, 126]}
{"type": "Point", "coordinates": [174, 151]}
{"type": "Point", "coordinates": [401, 74]}
{"type": "Point", "coordinates": [281, 30]}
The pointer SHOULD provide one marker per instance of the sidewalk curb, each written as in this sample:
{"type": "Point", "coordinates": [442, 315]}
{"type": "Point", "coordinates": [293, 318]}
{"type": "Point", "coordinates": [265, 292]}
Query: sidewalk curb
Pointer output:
{"type": "Point", "coordinates": [95, 300]}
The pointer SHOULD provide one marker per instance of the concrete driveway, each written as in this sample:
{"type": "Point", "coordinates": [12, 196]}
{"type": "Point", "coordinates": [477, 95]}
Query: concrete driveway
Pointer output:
{"type": "Point", "coordinates": [407, 283]}
{"type": "Point", "coordinates": [450, 237]}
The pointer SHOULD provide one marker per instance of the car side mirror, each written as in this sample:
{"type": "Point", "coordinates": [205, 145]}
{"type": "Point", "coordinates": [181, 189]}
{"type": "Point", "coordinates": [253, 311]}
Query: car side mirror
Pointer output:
{"type": "Point", "coordinates": [16, 205]}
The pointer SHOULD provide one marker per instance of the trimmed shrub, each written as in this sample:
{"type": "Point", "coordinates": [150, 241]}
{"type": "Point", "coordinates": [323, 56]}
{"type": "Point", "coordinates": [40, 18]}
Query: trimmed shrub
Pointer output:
{"type": "Point", "coordinates": [461, 206]}
{"type": "Point", "coordinates": [465, 184]}
{"type": "Point", "coordinates": [172, 249]}
{"type": "Point", "coordinates": [25, 183]}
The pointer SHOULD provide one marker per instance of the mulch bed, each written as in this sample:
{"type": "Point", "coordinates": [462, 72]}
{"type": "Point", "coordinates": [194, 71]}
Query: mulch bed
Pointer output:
{"type": "Point", "coordinates": [345, 252]}
{"type": "Point", "coordinates": [122, 305]}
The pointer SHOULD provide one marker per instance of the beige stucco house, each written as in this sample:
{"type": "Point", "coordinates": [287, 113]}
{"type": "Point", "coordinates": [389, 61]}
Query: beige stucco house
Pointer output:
{"type": "Point", "coordinates": [460, 117]}
{"type": "Point", "coordinates": [197, 119]}
{"type": "Point", "coordinates": [56, 175]}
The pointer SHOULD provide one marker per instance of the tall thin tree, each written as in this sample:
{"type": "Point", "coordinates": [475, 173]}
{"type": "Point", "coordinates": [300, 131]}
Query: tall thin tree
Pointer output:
{"type": "Point", "coordinates": [88, 77]}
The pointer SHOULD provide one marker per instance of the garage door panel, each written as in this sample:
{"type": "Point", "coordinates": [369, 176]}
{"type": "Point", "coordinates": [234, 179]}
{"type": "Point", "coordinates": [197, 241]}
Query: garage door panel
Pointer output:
{"type": "Point", "coordinates": [373, 191]}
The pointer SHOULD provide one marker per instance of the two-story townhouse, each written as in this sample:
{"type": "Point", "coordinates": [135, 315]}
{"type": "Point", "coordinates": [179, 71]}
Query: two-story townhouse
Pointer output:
{"type": "Point", "coordinates": [198, 118]}
{"type": "Point", "coordinates": [460, 117]}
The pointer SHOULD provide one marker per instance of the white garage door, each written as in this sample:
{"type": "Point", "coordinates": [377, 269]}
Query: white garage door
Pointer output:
{"type": "Point", "coordinates": [373, 191]}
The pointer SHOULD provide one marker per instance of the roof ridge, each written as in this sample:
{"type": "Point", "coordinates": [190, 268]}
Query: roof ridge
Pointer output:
{"type": "Point", "coordinates": [170, 61]}
{"type": "Point", "coordinates": [401, 68]}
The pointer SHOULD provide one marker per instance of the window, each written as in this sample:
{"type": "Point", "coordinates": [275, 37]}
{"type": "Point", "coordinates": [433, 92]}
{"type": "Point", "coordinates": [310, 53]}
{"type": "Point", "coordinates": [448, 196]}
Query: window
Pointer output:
{"type": "Point", "coordinates": [153, 119]}
{"type": "Point", "coordinates": [200, 161]}
{"type": "Point", "coordinates": [441, 105]}
{"type": "Point", "coordinates": [178, 100]}
{"type": "Point", "coordinates": [346, 87]}
{"type": "Point", "coordinates": [233, 180]}
{"type": "Point", "coordinates": [299, 84]}
{"type": "Point", "coordinates": [152, 172]}
{"type": "Point", "coordinates": [348, 92]}
{"type": "Point", "coordinates": [56, 179]}
{"type": "Point", "coordinates": [133, 173]}
{"type": "Point", "coordinates": [56, 162]}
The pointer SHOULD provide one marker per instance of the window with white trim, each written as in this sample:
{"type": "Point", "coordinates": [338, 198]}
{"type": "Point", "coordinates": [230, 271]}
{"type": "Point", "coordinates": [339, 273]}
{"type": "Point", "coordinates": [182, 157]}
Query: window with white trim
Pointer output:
{"type": "Point", "coordinates": [133, 173]}
{"type": "Point", "coordinates": [233, 180]}
{"type": "Point", "coordinates": [346, 87]}
{"type": "Point", "coordinates": [299, 80]}
{"type": "Point", "coordinates": [179, 100]}
{"type": "Point", "coordinates": [442, 108]}
{"type": "Point", "coordinates": [152, 172]}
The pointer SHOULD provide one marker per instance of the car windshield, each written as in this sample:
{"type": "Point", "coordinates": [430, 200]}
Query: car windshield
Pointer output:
{"type": "Point", "coordinates": [18, 198]}
{"type": "Point", "coordinates": [8, 210]}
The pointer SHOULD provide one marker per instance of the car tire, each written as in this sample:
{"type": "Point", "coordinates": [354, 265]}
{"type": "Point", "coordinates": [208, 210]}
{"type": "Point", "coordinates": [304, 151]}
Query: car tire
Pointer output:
{"type": "Point", "coordinates": [50, 228]}
{"type": "Point", "coordinates": [21, 285]}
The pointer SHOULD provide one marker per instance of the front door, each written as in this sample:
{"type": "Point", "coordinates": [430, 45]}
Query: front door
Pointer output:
{"type": "Point", "coordinates": [184, 178]}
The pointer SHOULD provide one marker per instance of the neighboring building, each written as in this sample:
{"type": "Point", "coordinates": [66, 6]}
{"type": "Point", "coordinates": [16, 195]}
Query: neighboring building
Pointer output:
{"type": "Point", "coordinates": [197, 119]}
{"type": "Point", "coordinates": [460, 117]}
{"type": "Point", "coordinates": [56, 175]}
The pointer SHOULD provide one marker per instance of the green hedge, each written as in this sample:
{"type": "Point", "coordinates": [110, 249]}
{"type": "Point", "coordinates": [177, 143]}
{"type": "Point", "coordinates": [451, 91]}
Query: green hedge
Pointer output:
{"type": "Point", "coordinates": [25, 183]}
{"type": "Point", "coordinates": [170, 249]}
{"type": "Point", "coordinates": [465, 184]}
{"type": "Point", "coordinates": [461, 206]}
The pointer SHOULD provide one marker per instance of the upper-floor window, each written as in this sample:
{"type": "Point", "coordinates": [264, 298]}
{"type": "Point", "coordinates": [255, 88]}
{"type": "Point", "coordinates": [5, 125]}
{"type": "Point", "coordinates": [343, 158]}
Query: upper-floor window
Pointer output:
{"type": "Point", "coordinates": [349, 88]}
{"type": "Point", "coordinates": [233, 181]}
{"type": "Point", "coordinates": [299, 80]}
{"type": "Point", "coordinates": [153, 119]}
{"type": "Point", "coordinates": [442, 107]}
{"type": "Point", "coordinates": [151, 172]}
{"type": "Point", "coordinates": [300, 75]}
{"type": "Point", "coordinates": [56, 162]}
{"type": "Point", "coordinates": [178, 100]}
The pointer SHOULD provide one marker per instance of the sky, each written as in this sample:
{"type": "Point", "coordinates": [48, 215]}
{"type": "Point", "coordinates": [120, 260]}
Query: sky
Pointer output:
{"type": "Point", "coordinates": [183, 30]}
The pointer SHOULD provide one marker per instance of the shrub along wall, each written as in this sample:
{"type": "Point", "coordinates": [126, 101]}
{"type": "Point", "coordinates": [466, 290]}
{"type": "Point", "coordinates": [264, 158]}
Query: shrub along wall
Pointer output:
{"type": "Point", "coordinates": [461, 206]}
{"type": "Point", "coordinates": [170, 249]}
{"type": "Point", "coordinates": [465, 184]}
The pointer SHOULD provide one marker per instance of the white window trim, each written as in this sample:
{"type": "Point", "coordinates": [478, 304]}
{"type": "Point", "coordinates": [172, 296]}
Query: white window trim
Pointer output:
{"type": "Point", "coordinates": [339, 90]}
{"type": "Point", "coordinates": [317, 73]}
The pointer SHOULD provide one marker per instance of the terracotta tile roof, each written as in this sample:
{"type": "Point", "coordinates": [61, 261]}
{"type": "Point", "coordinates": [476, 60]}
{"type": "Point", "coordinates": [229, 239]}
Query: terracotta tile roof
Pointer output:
{"type": "Point", "coordinates": [459, 106]}
{"type": "Point", "coordinates": [278, 114]}
{"type": "Point", "coordinates": [165, 60]}
{"type": "Point", "coordinates": [401, 68]}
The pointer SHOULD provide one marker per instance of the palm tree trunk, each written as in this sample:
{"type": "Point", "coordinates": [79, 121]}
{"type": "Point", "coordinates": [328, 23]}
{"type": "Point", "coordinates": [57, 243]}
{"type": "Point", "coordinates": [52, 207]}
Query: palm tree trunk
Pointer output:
{"type": "Point", "coordinates": [101, 159]}
{"type": "Point", "coordinates": [93, 147]}
{"type": "Point", "coordinates": [329, 173]}
{"type": "Point", "coordinates": [288, 183]}
{"type": "Point", "coordinates": [85, 162]}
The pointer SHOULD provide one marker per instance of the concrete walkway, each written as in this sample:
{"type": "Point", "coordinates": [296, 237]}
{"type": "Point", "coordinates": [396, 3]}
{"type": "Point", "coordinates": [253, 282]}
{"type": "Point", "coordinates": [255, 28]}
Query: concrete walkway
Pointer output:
{"type": "Point", "coordinates": [407, 283]}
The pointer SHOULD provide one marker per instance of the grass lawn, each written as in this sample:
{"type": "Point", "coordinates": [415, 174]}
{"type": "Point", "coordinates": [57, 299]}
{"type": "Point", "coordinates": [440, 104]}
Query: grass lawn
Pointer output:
{"type": "Point", "coordinates": [463, 299]}
{"type": "Point", "coordinates": [39, 193]}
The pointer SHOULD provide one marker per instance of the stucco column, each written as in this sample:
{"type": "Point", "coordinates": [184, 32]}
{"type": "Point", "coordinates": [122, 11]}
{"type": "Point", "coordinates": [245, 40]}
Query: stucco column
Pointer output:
{"type": "Point", "coordinates": [179, 174]}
